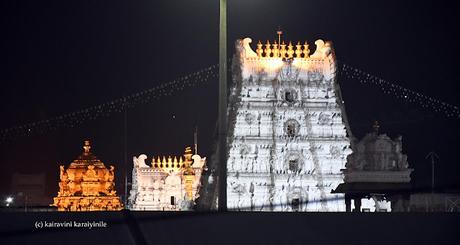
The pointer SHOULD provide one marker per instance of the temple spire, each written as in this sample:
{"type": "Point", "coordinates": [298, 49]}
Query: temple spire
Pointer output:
{"type": "Point", "coordinates": [87, 147]}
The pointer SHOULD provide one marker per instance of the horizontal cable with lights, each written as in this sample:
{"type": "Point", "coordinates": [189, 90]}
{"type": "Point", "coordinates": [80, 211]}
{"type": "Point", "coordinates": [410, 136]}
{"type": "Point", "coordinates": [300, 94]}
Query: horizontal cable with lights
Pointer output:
{"type": "Point", "coordinates": [400, 92]}
{"type": "Point", "coordinates": [76, 118]}
{"type": "Point", "coordinates": [200, 77]}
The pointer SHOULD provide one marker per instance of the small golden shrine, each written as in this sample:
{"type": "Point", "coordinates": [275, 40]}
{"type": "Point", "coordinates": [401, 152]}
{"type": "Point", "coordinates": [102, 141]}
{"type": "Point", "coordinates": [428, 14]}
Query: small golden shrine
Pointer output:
{"type": "Point", "coordinates": [87, 185]}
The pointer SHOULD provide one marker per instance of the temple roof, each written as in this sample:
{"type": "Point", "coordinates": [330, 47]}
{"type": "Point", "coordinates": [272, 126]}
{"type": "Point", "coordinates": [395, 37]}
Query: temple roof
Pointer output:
{"type": "Point", "coordinates": [298, 50]}
{"type": "Point", "coordinates": [271, 58]}
{"type": "Point", "coordinates": [86, 158]}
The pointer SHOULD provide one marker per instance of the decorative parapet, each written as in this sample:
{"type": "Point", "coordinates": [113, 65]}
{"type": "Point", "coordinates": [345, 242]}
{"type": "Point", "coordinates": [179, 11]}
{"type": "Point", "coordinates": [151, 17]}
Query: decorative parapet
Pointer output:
{"type": "Point", "coordinates": [270, 58]}
{"type": "Point", "coordinates": [170, 163]}
{"type": "Point", "coordinates": [279, 51]}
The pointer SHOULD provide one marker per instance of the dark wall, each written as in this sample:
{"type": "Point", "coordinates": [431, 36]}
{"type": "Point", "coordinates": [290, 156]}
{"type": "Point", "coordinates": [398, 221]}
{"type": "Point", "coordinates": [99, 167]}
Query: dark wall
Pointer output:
{"type": "Point", "coordinates": [233, 228]}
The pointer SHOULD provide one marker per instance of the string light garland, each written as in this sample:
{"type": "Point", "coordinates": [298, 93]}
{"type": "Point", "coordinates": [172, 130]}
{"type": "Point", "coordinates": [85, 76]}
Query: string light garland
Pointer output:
{"type": "Point", "coordinates": [395, 90]}
{"type": "Point", "coordinates": [76, 118]}
{"type": "Point", "coordinates": [200, 77]}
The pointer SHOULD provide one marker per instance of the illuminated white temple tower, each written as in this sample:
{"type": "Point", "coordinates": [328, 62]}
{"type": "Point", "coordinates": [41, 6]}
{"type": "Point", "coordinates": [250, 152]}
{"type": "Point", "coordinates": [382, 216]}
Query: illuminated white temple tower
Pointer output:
{"type": "Point", "coordinates": [287, 129]}
{"type": "Point", "coordinates": [171, 184]}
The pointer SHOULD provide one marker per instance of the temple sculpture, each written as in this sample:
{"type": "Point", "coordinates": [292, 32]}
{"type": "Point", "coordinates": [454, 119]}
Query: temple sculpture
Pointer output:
{"type": "Point", "coordinates": [168, 184]}
{"type": "Point", "coordinates": [87, 185]}
{"type": "Point", "coordinates": [377, 175]}
{"type": "Point", "coordinates": [288, 137]}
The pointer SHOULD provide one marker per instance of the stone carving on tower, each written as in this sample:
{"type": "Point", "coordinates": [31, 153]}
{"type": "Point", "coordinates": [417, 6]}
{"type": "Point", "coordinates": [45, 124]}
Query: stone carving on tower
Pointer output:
{"type": "Point", "coordinates": [87, 185]}
{"type": "Point", "coordinates": [168, 184]}
{"type": "Point", "coordinates": [287, 129]}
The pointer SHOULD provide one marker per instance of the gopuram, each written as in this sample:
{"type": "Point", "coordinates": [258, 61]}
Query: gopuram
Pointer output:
{"type": "Point", "coordinates": [288, 134]}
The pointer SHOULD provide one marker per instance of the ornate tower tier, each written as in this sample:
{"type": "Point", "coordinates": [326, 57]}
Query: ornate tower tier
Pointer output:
{"type": "Point", "coordinates": [87, 185]}
{"type": "Point", "coordinates": [169, 183]}
{"type": "Point", "coordinates": [287, 129]}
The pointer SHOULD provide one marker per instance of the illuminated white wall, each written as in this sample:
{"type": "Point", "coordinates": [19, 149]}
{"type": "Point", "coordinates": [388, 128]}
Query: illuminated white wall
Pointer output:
{"type": "Point", "coordinates": [287, 137]}
{"type": "Point", "coordinates": [373, 205]}
{"type": "Point", "coordinates": [154, 186]}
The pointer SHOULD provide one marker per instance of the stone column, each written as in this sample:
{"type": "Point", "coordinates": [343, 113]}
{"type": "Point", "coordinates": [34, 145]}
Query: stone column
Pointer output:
{"type": "Point", "coordinates": [347, 203]}
{"type": "Point", "coordinates": [357, 204]}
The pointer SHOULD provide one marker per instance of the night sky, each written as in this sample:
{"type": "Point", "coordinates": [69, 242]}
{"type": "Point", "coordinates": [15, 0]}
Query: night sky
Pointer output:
{"type": "Point", "coordinates": [62, 56]}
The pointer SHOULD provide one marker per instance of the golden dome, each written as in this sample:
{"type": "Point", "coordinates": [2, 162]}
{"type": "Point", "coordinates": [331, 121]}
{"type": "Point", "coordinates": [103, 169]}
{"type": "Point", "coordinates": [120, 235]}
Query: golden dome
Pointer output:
{"type": "Point", "coordinates": [87, 185]}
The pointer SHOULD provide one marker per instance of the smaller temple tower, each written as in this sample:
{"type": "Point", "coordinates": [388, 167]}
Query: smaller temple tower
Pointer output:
{"type": "Point", "coordinates": [168, 184]}
{"type": "Point", "coordinates": [377, 175]}
{"type": "Point", "coordinates": [87, 185]}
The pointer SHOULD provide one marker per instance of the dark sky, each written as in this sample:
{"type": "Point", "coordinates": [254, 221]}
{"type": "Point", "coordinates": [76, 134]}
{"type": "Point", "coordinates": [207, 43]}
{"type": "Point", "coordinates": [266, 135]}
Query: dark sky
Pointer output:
{"type": "Point", "coordinates": [62, 56]}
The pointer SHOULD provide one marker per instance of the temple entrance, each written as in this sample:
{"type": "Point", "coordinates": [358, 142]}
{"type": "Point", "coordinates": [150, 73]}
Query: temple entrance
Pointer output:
{"type": "Point", "coordinates": [295, 204]}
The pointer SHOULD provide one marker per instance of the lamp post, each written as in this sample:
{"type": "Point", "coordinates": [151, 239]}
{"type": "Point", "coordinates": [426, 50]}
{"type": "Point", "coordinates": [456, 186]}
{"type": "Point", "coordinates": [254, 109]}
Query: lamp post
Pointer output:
{"type": "Point", "coordinates": [432, 155]}
{"type": "Point", "coordinates": [222, 203]}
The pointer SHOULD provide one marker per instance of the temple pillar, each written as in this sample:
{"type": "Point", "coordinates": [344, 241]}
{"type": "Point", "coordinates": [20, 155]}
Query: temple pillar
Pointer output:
{"type": "Point", "coordinates": [357, 201]}
{"type": "Point", "coordinates": [347, 203]}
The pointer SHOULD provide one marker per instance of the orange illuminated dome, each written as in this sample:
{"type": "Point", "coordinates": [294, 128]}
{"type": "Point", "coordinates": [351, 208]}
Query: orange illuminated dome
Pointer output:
{"type": "Point", "coordinates": [87, 185]}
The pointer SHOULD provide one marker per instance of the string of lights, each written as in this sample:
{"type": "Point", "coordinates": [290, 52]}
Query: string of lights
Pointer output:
{"type": "Point", "coordinates": [76, 118]}
{"type": "Point", "coordinates": [395, 90]}
{"type": "Point", "coordinates": [73, 119]}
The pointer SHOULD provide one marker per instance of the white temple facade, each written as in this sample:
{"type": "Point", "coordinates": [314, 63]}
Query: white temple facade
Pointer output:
{"type": "Point", "coordinates": [168, 184]}
{"type": "Point", "coordinates": [288, 135]}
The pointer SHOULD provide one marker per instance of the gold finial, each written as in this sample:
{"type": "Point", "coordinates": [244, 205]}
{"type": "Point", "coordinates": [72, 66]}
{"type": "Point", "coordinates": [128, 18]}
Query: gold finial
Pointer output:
{"type": "Point", "coordinates": [298, 50]}
{"type": "Point", "coordinates": [376, 127]}
{"type": "Point", "coordinates": [87, 147]}
{"type": "Point", "coordinates": [290, 51]}
{"type": "Point", "coordinates": [170, 163]}
{"type": "Point", "coordinates": [283, 50]}
{"type": "Point", "coordinates": [259, 49]}
{"type": "Point", "coordinates": [158, 163]}
{"type": "Point", "coordinates": [267, 50]}
{"type": "Point", "coordinates": [306, 51]}
{"type": "Point", "coordinates": [275, 50]}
